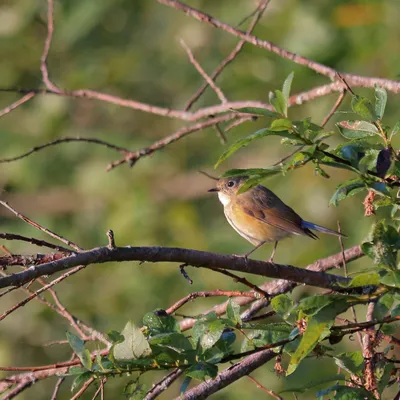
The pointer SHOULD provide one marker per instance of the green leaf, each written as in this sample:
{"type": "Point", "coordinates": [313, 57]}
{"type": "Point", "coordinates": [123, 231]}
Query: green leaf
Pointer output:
{"type": "Point", "coordinates": [80, 379]}
{"type": "Point", "coordinates": [356, 129]}
{"type": "Point", "coordinates": [282, 305]}
{"type": "Point", "coordinates": [78, 346]}
{"type": "Point", "coordinates": [380, 101]}
{"type": "Point", "coordinates": [391, 278]}
{"type": "Point", "coordinates": [287, 86]}
{"type": "Point", "coordinates": [258, 111]}
{"type": "Point", "coordinates": [277, 99]}
{"type": "Point", "coordinates": [281, 124]}
{"type": "Point", "coordinates": [347, 189]}
{"type": "Point", "coordinates": [383, 306]}
{"type": "Point", "coordinates": [201, 370]}
{"type": "Point", "coordinates": [308, 385]}
{"type": "Point", "coordinates": [383, 378]}
{"type": "Point", "coordinates": [256, 179]}
{"type": "Point", "coordinates": [134, 346]}
{"type": "Point", "coordinates": [159, 322]}
{"type": "Point", "coordinates": [364, 279]}
{"type": "Point", "coordinates": [352, 362]}
{"type": "Point", "coordinates": [134, 390]}
{"type": "Point", "coordinates": [396, 311]}
{"type": "Point", "coordinates": [233, 311]}
{"type": "Point", "coordinates": [247, 140]}
{"type": "Point", "coordinates": [312, 305]}
{"type": "Point", "coordinates": [115, 337]}
{"type": "Point", "coordinates": [260, 338]}
{"type": "Point", "coordinates": [382, 245]}
{"type": "Point", "coordinates": [363, 107]}
{"type": "Point", "coordinates": [395, 130]}
{"type": "Point", "coordinates": [175, 341]}
{"type": "Point", "coordinates": [346, 393]}
{"type": "Point", "coordinates": [318, 328]}
{"type": "Point", "coordinates": [207, 330]}
{"type": "Point", "coordinates": [259, 172]}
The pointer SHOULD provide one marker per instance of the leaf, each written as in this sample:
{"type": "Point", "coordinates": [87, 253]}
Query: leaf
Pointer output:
{"type": "Point", "coordinates": [256, 179]}
{"type": "Point", "coordinates": [134, 390]}
{"type": "Point", "coordinates": [306, 386]}
{"type": "Point", "coordinates": [260, 338]}
{"type": "Point", "coordinates": [207, 330]}
{"type": "Point", "coordinates": [318, 328]}
{"type": "Point", "coordinates": [356, 129]}
{"type": "Point", "coordinates": [277, 99]}
{"type": "Point", "coordinates": [352, 362]}
{"type": "Point", "coordinates": [233, 312]}
{"type": "Point", "coordinates": [258, 111]}
{"type": "Point", "coordinates": [247, 140]}
{"type": "Point", "coordinates": [282, 305]}
{"type": "Point", "coordinates": [134, 346]}
{"type": "Point", "coordinates": [264, 172]}
{"type": "Point", "coordinates": [363, 107]}
{"type": "Point", "coordinates": [347, 189]}
{"type": "Point", "coordinates": [380, 102]}
{"type": "Point", "coordinates": [391, 278]}
{"type": "Point", "coordinates": [383, 306]}
{"type": "Point", "coordinates": [201, 370]}
{"type": "Point", "coordinates": [396, 311]}
{"type": "Point", "coordinates": [384, 161]}
{"type": "Point", "coordinates": [78, 346]}
{"type": "Point", "coordinates": [158, 322]}
{"type": "Point", "coordinates": [175, 341]}
{"type": "Point", "coordinates": [281, 124]}
{"type": "Point", "coordinates": [364, 279]}
{"type": "Point", "coordinates": [115, 336]}
{"type": "Point", "coordinates": [346, 393]}
{"type": "Point", "coordinates": [80, 379]}
{"type": "Point", "coordinates": [395, 130]}
{"type": "Point", "coordinates": [382, 245]}
{"type": "Point", "coordinates": [287, 86]}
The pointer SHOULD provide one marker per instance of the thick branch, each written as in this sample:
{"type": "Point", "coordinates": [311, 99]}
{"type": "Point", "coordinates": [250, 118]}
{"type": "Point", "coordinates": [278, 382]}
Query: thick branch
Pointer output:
{"type": "Point", "coordinates": [194, 258]}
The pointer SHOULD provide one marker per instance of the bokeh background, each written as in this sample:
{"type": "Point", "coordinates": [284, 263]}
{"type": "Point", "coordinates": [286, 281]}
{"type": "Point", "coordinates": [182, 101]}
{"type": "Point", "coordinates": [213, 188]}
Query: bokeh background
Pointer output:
{"type": "Point", "coordinates": [131, 49]}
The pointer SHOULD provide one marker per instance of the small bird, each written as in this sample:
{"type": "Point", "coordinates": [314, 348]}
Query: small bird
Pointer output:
{"type": "Point", "coordinates": [260, 216]}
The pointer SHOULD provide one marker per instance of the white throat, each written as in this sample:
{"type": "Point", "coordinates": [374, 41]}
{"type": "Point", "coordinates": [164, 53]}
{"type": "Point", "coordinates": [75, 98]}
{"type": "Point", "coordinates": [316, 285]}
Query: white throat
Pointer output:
{"type": "Point", "coordinates": [223, 198]}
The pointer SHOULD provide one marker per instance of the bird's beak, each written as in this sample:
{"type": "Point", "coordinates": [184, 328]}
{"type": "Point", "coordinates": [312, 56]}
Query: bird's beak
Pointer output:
{"type": "Point", "coordinates": [214, 190]}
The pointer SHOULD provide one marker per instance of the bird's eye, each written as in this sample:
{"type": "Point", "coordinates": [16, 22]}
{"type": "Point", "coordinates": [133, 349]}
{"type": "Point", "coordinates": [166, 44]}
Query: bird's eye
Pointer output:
{"type": "Point", "coordinates": [231, 184]}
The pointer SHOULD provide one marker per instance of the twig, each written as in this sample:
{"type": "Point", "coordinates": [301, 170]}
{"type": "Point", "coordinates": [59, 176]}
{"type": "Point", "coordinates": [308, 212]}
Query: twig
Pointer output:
{"type": "Point", "coordinates": [111, 239]}
{"type": "Point", "coordinates": [43, 60]}
{"type": "Point", "coordinates": [57, 387]}
{"type": "Point", "coordinates": [238, 48]}
{"type": "Point", "coordinates": [203, 73]}
{"type": "Point", "coordinates": [213, 293]}
{"type": "Point", "coordinates": [36, 242]}
{"type": "Point", "coordinates": [100, 390]}
{"type": "Point", "coordinates": [66, 140]}
{"type": "Point", "coordinates": [39, 291]}
{"type": "Point", "coordinates": [25, 384]}
{"type": "Point", "coordinates": [82, 390]}
{"type": "Point", "coordinates": [270, 392]}
{"type": "Point", "coordinates": [163, 385]}
{"type": "Point", "coordinates": [265, 44]}
{"type": "Point", "coordinates": [41, 228]}
{"type": "Point", "coordinates": [334, 108]}
{"type": "Point", "coordinates": [16, 104]}
{"type": "Point", "coordinates": [242, 280]}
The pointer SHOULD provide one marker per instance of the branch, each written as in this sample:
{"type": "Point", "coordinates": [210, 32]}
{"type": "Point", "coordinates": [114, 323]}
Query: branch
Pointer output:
{"type": "Point", "coordinates": [36, 242]}
{"type": "Point", "coordinates": [194, 258]}
{"type": "Point", "coordinates": [228, 376]}
{"type": "Point", "coordinates": [355, 80]}
{"type": "Point", "coordinates": [16, 104]}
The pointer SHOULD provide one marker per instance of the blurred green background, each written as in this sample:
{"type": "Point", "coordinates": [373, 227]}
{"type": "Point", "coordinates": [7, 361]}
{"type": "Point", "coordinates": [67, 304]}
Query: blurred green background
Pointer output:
{"type": "Point", "coordinates": [131, 49]}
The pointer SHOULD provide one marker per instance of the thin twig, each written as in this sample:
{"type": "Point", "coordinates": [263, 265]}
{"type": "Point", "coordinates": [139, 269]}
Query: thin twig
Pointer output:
{"type": "Point", "coordinates": [36, 242]}
{"type": "Point", "coordinates": [213, 293]}
{"type": "Point", "coordinates": [41, 228]}
{"type": "Point", "coordinates": [203, 73]}
{"type": "Point", "coordinates": [270, 392]}
{"type": "Point", "coordinates": [83, 389]}
{"type": "Point", "coordinates": [43, 60]}
{"type": "Point", "coordinates": [334, 108]}
{"type": "Point", "coordinates": [163, 385]}
{"type": "Point", "coordinates": [66, 140]}
{"type": "Point", "coordinates": [16, 104]}
{"type": "Point", "coordinates": [57, 387]}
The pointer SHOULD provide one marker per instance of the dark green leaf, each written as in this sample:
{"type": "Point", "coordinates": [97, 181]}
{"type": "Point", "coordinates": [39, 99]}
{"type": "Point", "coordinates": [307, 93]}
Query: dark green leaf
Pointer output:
{"type": "Point", "coordinates": [258, 111]}
{"type": "Point", "coordinates": [233, 311]}
{"type": "Point", "coordinates": [202, 370]}
{"type": "Point", "coordinates": [347, 189]}
{"type": "Point", "coordinates": [185, 385]}
{"type": "Point", "coordinates": [160, 323]}
{"type": "Point", "coordinates": [396, 311]}
{"type": "Point", "coordinates": [260, 338]}
{"type": "Point", "coordinates": [383, 306]}
{"type": "Point", "coordinates": [78, 346]}
{"type": "Point", "coordinates": [356, 129]}
{"type": "Point", "coordinates": [115, 337]}
{"type": "Point", "coordinates": [207, 331]}
{"type": "Point", "coordinates": [380, 101]}
{"type": "Point", "coordinates": [363, 107]}
{"type": "Point", "coordinates": [80, 379]}
{"type": "Point", "coordinates": [172, 340]}
{"type": "Point", "coordinates": [134, 390]}
{"type": "Point", "coordinates": [346, 393]}
{"type": "Point", "coordinates": [352, 362]}
{"type": "Point", "coordinates": [135, 344]}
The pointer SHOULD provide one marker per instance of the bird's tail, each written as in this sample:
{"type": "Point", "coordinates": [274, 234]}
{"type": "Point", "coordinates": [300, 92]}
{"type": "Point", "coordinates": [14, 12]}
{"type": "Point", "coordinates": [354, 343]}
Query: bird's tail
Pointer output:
{"type": "Point", "coordinates": [315, 227]}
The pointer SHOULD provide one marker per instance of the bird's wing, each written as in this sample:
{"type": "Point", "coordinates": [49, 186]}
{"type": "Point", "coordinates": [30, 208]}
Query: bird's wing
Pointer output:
{"type": "Point", "coordinates": [265, 206]}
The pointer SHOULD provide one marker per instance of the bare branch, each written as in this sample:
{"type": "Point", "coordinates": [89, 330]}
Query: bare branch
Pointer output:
{"type": "Point", "coordinates": [16, 104]}
{"type": "Point", "coordinates": [355, 80]}
{"type": "Point", "coordinates": [41, 228]}
{"type": "Point", "coordinates": [36, 242]}
{"type": "Point", "coordinates": [163, 385]}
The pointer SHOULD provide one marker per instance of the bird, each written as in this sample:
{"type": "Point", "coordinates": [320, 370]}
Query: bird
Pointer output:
{"type": "Point", "coordinates": [260, 216]}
